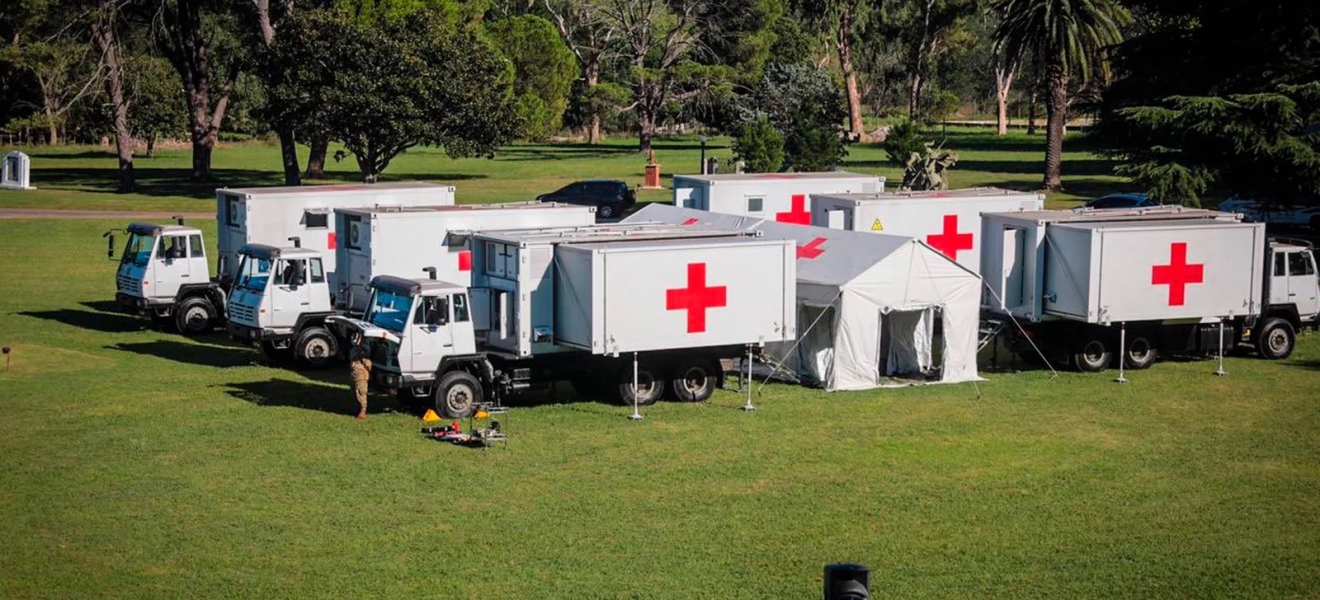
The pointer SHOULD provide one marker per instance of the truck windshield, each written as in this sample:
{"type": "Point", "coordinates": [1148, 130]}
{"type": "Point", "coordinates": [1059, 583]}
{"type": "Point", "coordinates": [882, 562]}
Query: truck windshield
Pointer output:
{"type": "Point", "coordinates": [138, 249]}
{"type": "Point", "coordinates": [253, 273]}
{"type": "Point", "coordinates": [389, 310]}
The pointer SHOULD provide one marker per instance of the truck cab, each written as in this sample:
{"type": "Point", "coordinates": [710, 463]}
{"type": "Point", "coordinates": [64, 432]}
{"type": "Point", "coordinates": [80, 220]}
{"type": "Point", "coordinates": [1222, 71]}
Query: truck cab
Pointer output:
{"type": "Point", "coordinates": [163, 274]}
{"type": "Point", "coordinates": [280, 299]}
{"type": "Point", "coordinates": [1293, 298]}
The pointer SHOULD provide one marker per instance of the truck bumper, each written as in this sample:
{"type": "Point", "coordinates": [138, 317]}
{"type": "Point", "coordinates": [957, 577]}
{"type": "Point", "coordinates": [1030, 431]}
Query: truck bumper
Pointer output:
{"type": "Point", "coordinates": [246, 334]}
{"type": "Point", "coordinates": [394, 381]}
{"type": "Point", "coordinates": [138, 305]}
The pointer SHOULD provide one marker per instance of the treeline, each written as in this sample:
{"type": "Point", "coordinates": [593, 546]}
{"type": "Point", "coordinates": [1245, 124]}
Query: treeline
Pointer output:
{"type": "Point", "coordinates": [1190, 96]}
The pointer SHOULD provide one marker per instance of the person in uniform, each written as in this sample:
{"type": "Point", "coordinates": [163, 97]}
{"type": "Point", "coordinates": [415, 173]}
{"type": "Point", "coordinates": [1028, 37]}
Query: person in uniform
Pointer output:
{"type": "Point", "coordinates": [359, 364]}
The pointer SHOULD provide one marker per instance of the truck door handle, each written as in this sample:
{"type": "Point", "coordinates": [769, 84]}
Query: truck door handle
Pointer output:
{"type": "Point", "coordinates": [447, 345]}
{"type": "Point", "coordinates": [305, 303]}
{"type": "Point", "coordinates": [183, 275]}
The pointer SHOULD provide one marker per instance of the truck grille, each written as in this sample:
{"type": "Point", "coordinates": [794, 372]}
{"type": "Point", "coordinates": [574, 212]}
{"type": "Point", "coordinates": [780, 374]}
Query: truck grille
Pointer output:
{"type": "Point", "coordinates": [242, 313]}
{"type": "Point", "coordinates": [127, 284]}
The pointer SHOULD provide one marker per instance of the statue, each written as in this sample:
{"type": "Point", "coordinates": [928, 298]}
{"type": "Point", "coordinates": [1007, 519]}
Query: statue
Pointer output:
{"type": "Point", "coordinates": [925, 170]}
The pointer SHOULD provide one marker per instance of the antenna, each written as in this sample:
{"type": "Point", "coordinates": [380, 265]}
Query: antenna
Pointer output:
{"type": "Point", "coordinates": [297, 241]}
{"type": "Point", "coordinates": [430, 271]}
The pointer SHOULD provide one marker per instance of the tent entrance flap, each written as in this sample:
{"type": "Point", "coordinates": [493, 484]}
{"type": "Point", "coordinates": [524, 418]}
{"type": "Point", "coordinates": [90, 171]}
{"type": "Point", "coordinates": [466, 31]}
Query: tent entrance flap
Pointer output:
{"type": "Point", "coordinates": [907, 343]}
{"type": "Point", "coordinates": [815, 350]}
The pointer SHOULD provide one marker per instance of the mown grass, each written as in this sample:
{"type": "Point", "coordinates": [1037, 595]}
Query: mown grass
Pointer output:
{"type": "Point", "coordinates": [140, 464]}
{"type": "Point", "coordinates": [84, 177]}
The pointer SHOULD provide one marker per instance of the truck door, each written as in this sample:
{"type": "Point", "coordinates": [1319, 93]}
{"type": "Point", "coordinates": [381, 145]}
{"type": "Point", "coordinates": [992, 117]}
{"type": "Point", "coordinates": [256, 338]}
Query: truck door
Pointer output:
{"type": "Point", "coordinates": [1302, 283]}
{"type": "Point", "coordinates": [291, 296]}
{"type": "Point", "coordinates": [1014, 245]}
{"type": "Point", "coordinates": [171, 269]}
{"type": "Point", "coordinates": [433, 337]}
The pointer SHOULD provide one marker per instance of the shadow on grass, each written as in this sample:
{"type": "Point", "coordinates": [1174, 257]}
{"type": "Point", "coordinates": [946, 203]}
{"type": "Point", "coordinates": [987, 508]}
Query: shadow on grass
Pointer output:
{"type": "Point", "coordinates": [98, 320]}
{"type": "Point", "coordinates": [334, 399]}
{"type": "Point", "coordinates": [1313, 364]}
{"type": "Point", "coordinates": [206, 355]}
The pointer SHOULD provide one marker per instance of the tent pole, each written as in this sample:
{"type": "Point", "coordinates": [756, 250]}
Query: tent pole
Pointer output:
{"type": "Point", "coordinates": [1220, 371]}
{"type": "Point", "coordinates": [748, 407]}
{"type": "Point", "coordinates": [1122, 351]}
{"type": "Point", "coordinates": [636, 416]}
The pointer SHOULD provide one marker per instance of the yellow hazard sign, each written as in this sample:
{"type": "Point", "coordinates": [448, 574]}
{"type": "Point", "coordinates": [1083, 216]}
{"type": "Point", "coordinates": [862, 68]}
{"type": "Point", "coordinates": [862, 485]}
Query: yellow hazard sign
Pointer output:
{"type": "Point", "coordinates": [876, 226]}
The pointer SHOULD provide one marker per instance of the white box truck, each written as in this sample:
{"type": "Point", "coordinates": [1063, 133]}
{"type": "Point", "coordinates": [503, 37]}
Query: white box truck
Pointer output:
{"type": "Point", "coordinates": [282, 295]}
{"type": "Point", "coordinates": [272, 215]}
{"type": "Point", "coordinates": [404, 240]}
{"type": "Point", "coordinates": [163, 274]}
{"type": "Point", "coordinates": [947, 220]}
{"type": "Point", "coordinates": [1089, 287]}
{"type": "Point", "coordinates": [783, 197]}
{"type": "Point", "coordinates": [587, 305]}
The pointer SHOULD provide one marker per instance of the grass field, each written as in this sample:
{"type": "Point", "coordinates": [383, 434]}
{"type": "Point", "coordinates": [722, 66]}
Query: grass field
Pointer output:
{"type": "Point", "coordinates": [141, 464]}
{"type": "Point", "coordinates": [84, 177]}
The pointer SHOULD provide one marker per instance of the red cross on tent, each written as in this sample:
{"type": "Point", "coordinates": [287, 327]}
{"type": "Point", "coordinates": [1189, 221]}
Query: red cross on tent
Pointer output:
{"type": "Point", "coordinates": [812, 249]}
{"type": "Point", "coordinates": [949, 241]}
{"type": "Point", "coordinates": [1178, 274]}
{"type": "Point", "coordinates": [696, 298]}
{"type": "Point", "coordinates": [465, 260]}
{"type": "Point", "coordinates": [690, 222]}
{"type": "Point", "coordinates": [798, 214]}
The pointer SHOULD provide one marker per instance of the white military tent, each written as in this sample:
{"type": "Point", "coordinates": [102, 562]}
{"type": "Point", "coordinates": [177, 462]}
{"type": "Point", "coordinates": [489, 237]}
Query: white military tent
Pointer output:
{"type": "Point", "coordinates": [867, 304]}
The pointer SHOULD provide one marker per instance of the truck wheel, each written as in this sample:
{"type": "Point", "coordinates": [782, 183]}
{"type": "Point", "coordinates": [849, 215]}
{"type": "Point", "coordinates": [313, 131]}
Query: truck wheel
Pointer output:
{"type": "Point", "coordinates": [650, 387]}
{"type": "Point", "coordinates": [1140, 354]}
{"type": "Point", "coordinates": [693, 382]}
{"type": "Point", "coordinates": [276, 355]}
{"type": "Point", "coordinates": [1092, 355]}
{"type": "Point", "coordinates": [1275, 339]}
{"type": "Point", "coordinates": [194, 316]}
{"type": "Point", "coordinates": [457, 394]}
{"type": "Point", "coordinates": [316, 348]}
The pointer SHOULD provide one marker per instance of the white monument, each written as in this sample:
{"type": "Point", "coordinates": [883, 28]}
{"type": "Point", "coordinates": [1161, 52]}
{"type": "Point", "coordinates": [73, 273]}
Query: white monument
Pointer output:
{"type": "Point", "coordinates": [14, 175]}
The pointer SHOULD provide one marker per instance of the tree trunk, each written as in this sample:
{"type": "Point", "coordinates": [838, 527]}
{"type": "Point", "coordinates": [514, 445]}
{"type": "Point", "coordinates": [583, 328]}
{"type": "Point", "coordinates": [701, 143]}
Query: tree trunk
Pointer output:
{"type": "Point", "coordinates": [1003, 85]}
{"type": "Point", "coordinates": [104, 35]}
{"type": "Point", "coordinates": [1031, 108]}
{"type": "Point", "coordinates": [289, 156]}
{"type": "Point", "coordinates": [1056, 112]}
{"type": "Point", "coordinates": [850, 76]}
{"type": "Point", "coordinates": [201, 159]}
{"type": "Point", "coordinates": [645, 129]}
{"type": "Point", "coordinates": [593, 78]}
{"type": "Point", "coordinates": [54, 130]}
{"type": "Point", "coordinates": [914, 93]}
{"type": "Point", "coordinates": [316, 157]}
{"type": "Point", "coordinates": [187, 48]}
{"type": "Point", "coordinates": [151, 147]}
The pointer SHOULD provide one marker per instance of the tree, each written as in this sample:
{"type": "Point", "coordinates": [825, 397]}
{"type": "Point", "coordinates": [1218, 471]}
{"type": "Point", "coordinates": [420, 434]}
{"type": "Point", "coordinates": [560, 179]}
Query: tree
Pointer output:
{"type": "Point", "coordinates": [808, 109]}
{"type": "Point", "coordinates": [759, 146]}
{"type": "Point", "coordinates": [382, 88]}
{"type": "Point", "coordinates": [544, 69]}
{"type": "Point", "coordinates": [157, 107]}
{"type": "Point", "coordinates": [843, 22]}
{"type": "Point", "coordinates": [65, 72]}
{"type": "Point", "coordinates": [582, 26]}
{"type": "Point", "coordinates": [266, 25]}
{"type": "Point", "coordinates": [926, 30]}
{"type": "Point", "coordinates": [104, 25]}
{"type": "Point", "coordinates": [194, 37]}
{"type": "Point", "coordinates": [1065, 37]}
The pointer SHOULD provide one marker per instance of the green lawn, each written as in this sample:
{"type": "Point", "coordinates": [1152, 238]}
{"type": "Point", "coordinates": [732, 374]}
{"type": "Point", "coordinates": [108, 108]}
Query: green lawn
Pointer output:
{"type": "Point", "coordinates": [140, 464]}
{"type": "Point", "coordinates": [84, 177]}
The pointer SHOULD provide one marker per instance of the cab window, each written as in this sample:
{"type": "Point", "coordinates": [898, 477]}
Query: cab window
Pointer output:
{"type": "Point", "coordinates": [172, 247]}
{"type": "Point", "coordinates": [460, 308]}
{"type": "Point", "coordinates": [1299, 263]}
{"type": "Point", "coordinates": [317, 271]}
{"type": "Point", "coordinates": [195, 244]}
{"type": "Point", "coordinates": [432, 311]}
{"type": "Point", "coordinates": [1280, 265]}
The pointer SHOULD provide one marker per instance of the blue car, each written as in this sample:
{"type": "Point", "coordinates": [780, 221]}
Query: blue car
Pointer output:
{"type": "Point", "coordinates": [1121, 201]}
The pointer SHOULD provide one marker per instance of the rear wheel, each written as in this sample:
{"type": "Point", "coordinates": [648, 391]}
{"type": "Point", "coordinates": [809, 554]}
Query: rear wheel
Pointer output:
{"type": "Point", "coordinates": [1140, 354]}
{"type": "Point", "coordinates": [194, 316]}
{"type": "Point", "coordinates": [694, 382]}
{"type": "Point", "coordinates": [650, 387]}
{"type": "Point", "coordinates": [1275, 339]}
{"type": "Point", "coordinates": [457, 394]}
{"type": "Point", "coordinates": [1091, 355]}
{"type": "Point", "coordinates": [316, 348]}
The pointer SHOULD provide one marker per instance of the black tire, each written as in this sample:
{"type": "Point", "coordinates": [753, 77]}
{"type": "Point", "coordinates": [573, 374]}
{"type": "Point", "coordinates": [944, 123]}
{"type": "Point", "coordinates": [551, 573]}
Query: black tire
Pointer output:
{"type": "Point", "coordinates": [1092, 355]}
{"type": "Point", "coordinates": [457, 395]}
{"type": "Point", "coordinates": [1275, 339]}
{"type": "Point", "coordinates": [194, 316]}
{"type": "Point", "coordinates": [1141, 353]}
{"type": "Point", "coordinates": [278, 356]}
{"type": "Point", "coordinates": [606, 211]}
{"type": "Point", "coordinates": [694, 382]}
{"type": "Point", "coordinates": [651, 385]}
{"type": "Point", "coordinates": [316, 348]}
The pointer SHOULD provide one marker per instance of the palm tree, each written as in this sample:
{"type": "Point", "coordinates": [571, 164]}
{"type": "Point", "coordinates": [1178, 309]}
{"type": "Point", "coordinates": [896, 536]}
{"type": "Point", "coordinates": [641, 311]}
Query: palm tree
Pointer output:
{"type": "Point", "coordinates": [1065, 38]}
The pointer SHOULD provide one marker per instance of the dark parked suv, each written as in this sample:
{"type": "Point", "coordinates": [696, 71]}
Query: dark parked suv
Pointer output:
{"type": "Point", "coordinates": [611, 197]}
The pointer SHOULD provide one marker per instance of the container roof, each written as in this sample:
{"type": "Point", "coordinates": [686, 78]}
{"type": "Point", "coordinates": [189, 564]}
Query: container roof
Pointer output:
{"type": "Point", "coordinates": [1119, 214]}
{"type": "Point", "coordinates": [960, 194]}
{"type": "Point", "coordinates": [771, 177]}
{"type": "Point", "coordinates": [617, 232]}
{"type": "Point", "coordinates": [457, 208]}
{"type": "Point", "coordinates": [1156, 224]}
{"type": "Point", "coordinates": [348, 187]}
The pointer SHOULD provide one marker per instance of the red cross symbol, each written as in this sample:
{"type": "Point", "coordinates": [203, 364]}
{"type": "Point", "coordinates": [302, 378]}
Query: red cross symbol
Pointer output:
{"type": "Point", "coordinates": [949, 241]}
{"type": "Point", "coordinates": [465, 260]}
{"type": "Point", "coordinates": [330, 240]}
{"type": "Point", "coordinates": [811, 250]}
{"type": "Point", "coordinates": [1177, 274]}
{"type": "Point", "coordinates": [798, 214]}
{"type": "Point", "coordinates": [688, 223]}
{"type": "Point", "coordinates": [696, 297]}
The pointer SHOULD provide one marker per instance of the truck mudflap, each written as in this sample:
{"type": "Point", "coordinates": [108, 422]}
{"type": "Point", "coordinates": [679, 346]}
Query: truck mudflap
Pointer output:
{"type": "Point", "coordinates": [346, 326]}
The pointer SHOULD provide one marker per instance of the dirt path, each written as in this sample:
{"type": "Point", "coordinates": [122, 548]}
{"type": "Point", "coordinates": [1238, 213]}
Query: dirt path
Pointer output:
{"type": "Point", "coordinates": [41, 213]}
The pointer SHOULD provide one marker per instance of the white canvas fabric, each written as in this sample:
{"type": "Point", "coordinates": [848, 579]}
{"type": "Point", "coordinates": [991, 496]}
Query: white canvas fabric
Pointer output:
{"type": "Point", "coordinates": [863, 276]}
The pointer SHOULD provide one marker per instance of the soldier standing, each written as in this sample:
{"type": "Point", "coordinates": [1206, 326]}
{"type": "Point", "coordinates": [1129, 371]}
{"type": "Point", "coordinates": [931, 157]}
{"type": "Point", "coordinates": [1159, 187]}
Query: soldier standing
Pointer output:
{"type": "Point", "coordinates": [359, 364]}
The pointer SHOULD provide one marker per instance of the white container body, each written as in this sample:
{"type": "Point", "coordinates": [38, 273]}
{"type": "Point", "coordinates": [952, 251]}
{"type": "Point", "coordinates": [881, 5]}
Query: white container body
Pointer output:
{"type": "Point", "coordinates": [1109, 272]}
{"type": "Point", "coordinates": [275, 214]}
{"type": "Point", "coordinates": [402, 241]}
{"type": "Point", "coordinates": [783, 197]}
{"type": "Point", "coordinates": [948, 221]}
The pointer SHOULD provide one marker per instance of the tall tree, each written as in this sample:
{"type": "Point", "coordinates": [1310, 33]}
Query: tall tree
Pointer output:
{"type": "Point", "coordinates": [582, 25]}
{"type": "Point", "coordinates": [926, 30]}
{"type": "Point", "coordinates": [288, 143]}
{"type": "Point", "coordinates": [187, 33]}
{"type": "Point", "coordinates": [64, 69]}
{"type": "Point", "coordinates": [104, 25]}
{"type": "Point", "coordinates": [544, 70]}
{"type": "Point", "coordinates": [1065, 37]}
{"type": "Point", "coordinates": [844, 23]}
{"type": "Point", "coordinates": [157, 107]}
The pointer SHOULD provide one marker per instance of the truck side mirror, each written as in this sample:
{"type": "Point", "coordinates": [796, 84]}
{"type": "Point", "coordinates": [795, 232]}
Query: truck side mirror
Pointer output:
{"type": "Point", "coordinates": [110, 244]}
